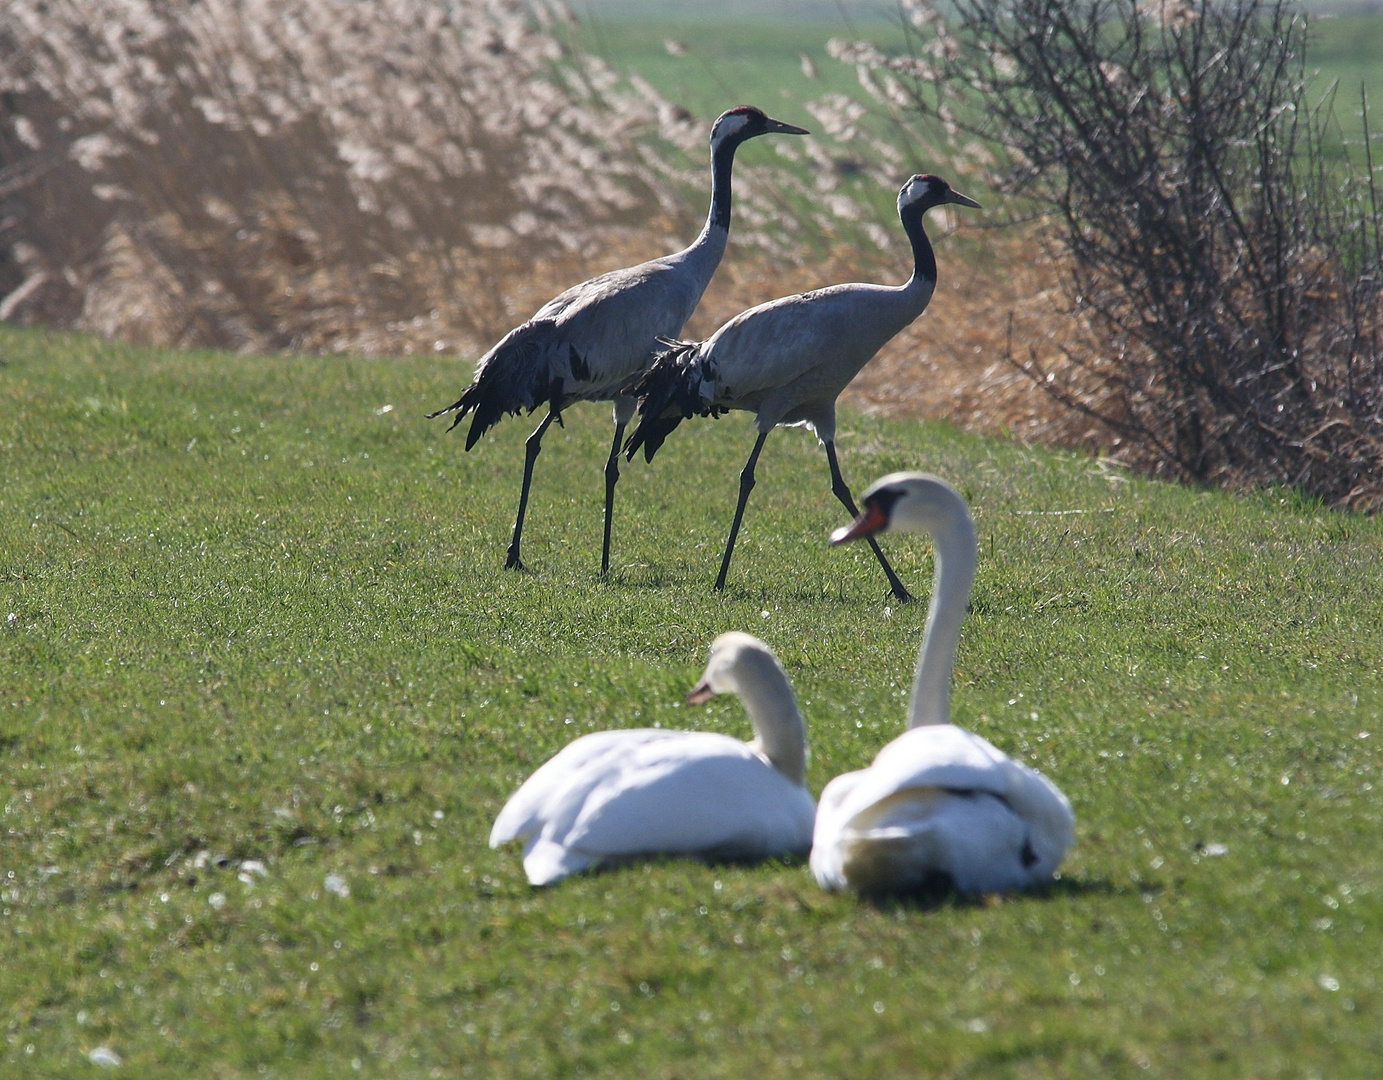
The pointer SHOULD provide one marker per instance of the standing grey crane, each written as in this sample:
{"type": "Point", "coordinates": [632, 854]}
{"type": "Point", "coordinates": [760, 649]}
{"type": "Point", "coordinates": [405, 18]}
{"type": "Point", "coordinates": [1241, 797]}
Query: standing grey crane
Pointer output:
{"type": "Point", "coordinates": [587, 343]}
{"type": "Point", "coordinates": [788, 360]}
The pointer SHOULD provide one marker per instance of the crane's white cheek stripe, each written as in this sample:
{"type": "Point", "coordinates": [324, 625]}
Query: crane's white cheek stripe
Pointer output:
{"type": "Point", "coordinates": [728, 127]}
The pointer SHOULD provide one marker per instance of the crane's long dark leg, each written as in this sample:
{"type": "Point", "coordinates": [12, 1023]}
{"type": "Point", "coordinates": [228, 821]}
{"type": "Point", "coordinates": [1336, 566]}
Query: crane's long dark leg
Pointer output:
{"type": "Point", "coordinates": [746, 486]}
{"type": "Point", "coordinates": [842, 492]}
{"type": "Point", "coordinates": [611, 479]}
{"type": "Point", "coordinates": [531, 448]}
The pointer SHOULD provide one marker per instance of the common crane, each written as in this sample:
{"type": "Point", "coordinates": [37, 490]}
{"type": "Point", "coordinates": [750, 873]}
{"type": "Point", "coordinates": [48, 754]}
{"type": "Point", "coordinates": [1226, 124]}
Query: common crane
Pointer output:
{"type": "Point", "coordinates": [587, 343]}
{"type": "Point", "coordinates": [788, 360]}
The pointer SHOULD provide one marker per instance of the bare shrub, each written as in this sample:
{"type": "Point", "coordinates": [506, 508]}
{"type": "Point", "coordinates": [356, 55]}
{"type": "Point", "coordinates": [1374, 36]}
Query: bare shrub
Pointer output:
{"type": "Point", "coordinates": [1224, 260]}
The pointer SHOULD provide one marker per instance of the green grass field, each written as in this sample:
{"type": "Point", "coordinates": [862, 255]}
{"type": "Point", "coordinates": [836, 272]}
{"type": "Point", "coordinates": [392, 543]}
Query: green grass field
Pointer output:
{"type": "Point", "coordinates": [757, 59]}
{"type": "Point", "coordinates": [248, 612]}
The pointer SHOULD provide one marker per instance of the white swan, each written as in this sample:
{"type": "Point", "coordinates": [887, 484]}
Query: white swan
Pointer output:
{"type": "Point", "coordinates": [938, 803]}
{"type": "Point", "coordinates": [614, 795]}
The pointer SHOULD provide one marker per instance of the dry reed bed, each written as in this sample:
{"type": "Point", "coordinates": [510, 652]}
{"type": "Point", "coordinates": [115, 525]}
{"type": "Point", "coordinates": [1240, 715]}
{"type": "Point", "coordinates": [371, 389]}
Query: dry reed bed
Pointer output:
{"type": "Point", "coordinates": [403, 176]}
{"type": "Point", "coordinates": [326, 175]}
{"type": "Point", "coordinates": [313, 174]}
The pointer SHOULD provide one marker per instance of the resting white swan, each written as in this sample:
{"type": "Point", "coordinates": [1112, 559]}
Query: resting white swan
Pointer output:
{"type": "Point", "coordinates": [938, 802]}
{"type": "Point", "coordinates": [614, 795]}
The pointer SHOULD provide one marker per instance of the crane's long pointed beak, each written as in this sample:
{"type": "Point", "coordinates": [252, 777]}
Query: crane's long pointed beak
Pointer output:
{"type": "Point", "coordinates": [780, 128]}
{"type": "Point", "coordinates": [700, 693]}
{"type": "Point", "coordinates": [964, 200]}
{"type": "Point", "coordinates": [867, 524]}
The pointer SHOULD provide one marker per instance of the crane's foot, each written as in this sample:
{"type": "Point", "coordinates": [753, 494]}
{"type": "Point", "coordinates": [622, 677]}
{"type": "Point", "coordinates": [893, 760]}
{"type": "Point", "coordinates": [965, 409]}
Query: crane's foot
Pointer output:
{"type": "Point", "coordinates": [513, 562]}
{"type": "Point", "coordinates": [902, 595]}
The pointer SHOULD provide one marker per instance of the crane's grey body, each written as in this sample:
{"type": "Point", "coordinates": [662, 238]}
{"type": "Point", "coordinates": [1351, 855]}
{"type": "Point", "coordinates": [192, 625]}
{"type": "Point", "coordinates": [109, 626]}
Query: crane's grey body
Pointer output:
{"type": "Point", "coordinates": [590, 342]}
{"type": "Point", "coordinates": [587, 343]}
{"type": "Point", "coordinates": [788, 360]}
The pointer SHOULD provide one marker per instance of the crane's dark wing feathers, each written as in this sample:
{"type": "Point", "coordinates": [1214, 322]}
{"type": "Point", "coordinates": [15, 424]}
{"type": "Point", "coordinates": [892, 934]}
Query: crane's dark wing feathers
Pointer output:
{"type": "Point", "coordinates": [516, 374]}
{"type": "Point", "coordinates": [669, 392]}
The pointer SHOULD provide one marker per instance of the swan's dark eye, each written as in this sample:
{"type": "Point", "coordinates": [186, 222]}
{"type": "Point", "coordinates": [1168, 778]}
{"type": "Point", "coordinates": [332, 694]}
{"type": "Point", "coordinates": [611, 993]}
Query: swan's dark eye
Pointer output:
{"type": "Point", "coordinates": [884, 499]}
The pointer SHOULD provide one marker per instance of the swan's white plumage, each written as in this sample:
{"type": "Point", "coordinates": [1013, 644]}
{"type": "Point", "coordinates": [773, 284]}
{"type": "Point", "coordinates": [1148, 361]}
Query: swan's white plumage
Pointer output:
{"type": "Point", "coordinates": [615, 795]}
{"type": "Point", "coordinates": [938, 801]}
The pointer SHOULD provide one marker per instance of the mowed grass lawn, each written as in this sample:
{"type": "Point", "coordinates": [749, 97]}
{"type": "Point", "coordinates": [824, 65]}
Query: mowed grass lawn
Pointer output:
{"type": "Point", "coordinates": [253, 609]}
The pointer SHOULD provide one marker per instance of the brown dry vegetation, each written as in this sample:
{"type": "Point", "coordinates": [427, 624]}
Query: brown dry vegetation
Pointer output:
{"type": "Point", "coordinates": [400, 177]}
{"type": "Point", "coordinates": [314, 174]}
{"type": "Point", "coordinates": [326, 175]}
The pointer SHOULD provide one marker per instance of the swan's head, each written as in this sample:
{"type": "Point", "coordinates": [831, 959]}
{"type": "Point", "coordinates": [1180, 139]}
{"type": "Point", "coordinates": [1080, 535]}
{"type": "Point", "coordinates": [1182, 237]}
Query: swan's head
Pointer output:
{"type": "Point", "coordinates": [924, 191]}
{"type": "Point", "coordinates": [915, 502]}
{"type": "Point", "coordinates": [742, 664]}
{"type": "Point", "coordinates": [734, 659]}
{"type": "Point", "coordinates": [745, 122]}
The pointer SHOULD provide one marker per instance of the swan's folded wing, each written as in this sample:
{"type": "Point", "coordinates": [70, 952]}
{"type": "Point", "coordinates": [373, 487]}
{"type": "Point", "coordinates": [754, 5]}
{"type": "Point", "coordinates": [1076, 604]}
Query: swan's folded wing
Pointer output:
{"type": "Point", "coordinates": [556, 791]}
{"type": "Point", "coordinates": [704, 794]}
{"type": "Point", "coordinates": [905, 781]}
{"type": "Point", "coordinates": [1047, 812]}
{"type": "Point", "coordinates": [938, 756]}
{"type": "Point", "coordinates": [974, 840]}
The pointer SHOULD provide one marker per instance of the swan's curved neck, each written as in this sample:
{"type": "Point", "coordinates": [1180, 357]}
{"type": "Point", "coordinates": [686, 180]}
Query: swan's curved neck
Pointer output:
{"type": "Point", "coordinates": [779, 732]}
{"type": "Point", "coordinates": [955, 557]}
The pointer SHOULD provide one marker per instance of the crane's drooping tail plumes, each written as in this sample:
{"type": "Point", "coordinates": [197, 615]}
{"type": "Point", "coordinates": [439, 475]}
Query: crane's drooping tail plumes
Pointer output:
{"type": "Point", "coordinates": [518, 373]}
{"type": "Point", "coordinates": [679, 384]}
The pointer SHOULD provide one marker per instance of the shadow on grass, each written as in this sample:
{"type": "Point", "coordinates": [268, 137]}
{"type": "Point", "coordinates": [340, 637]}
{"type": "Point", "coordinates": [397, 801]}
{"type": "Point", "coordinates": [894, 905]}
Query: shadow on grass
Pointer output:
{"type": "Point", "coordinates": [805, 592]}
{"type": "Point", "coordinates": [939, 892]}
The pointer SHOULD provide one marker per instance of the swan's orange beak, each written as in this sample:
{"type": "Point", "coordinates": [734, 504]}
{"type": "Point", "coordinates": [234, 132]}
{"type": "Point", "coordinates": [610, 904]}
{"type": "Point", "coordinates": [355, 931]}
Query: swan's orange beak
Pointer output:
{"type": "Point", "coordinates": [700, 693]}
{"type": "Point", "coordinates": [867, 524]}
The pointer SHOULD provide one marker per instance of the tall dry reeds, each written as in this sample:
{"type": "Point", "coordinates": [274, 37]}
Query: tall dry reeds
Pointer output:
{"type": "Point", "coordinates": [329, 175]}
{"type": "Point", "coordinates": [315, 174]}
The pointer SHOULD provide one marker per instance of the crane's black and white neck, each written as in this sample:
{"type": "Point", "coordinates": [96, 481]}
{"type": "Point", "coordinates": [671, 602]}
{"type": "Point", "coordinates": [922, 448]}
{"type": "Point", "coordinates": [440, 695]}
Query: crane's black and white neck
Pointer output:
{"type": "Point", "coordinates": [920, 194]}
{"type": "Point", "coordinates": [731, 130]}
